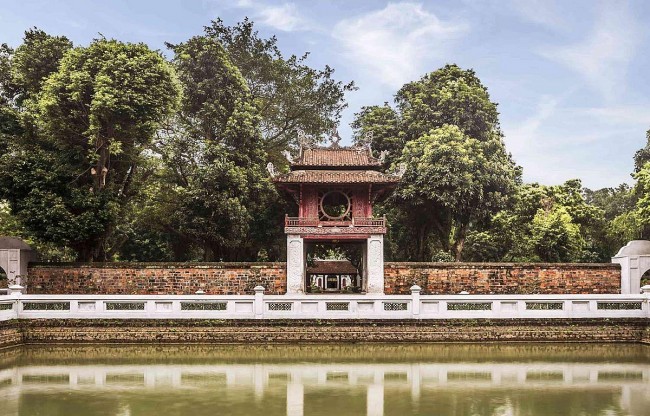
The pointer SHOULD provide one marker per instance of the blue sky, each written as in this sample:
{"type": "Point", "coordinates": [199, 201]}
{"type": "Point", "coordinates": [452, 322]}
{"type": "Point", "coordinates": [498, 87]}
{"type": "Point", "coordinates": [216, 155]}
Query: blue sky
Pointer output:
{"type": "Point", "coordinates": [570, 77]}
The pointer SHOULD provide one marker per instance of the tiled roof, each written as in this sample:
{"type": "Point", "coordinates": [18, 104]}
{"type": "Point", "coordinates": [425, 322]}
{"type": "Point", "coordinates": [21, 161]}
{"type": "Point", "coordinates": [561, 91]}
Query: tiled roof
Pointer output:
{"type": "Point", "coordinates": [332, 266]}
{"type": "Point", "coordinates": [352, 157]}
{"type": "Point", "coordinates": [335, 176]}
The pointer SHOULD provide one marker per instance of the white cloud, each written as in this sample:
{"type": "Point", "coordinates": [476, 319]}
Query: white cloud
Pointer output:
{"type": "Point", "coordinates": [283, 17]}
{"type": "Point", "coordinates": [603, 56]}
{"type": "Point", "coordinates": [393, 43]}
{"type": "Point", "coordinates": [542, 12]}
{"type": "Point", "coordinates": [558, 142]}
{"type": "Point", "coordinates": [629, 114]}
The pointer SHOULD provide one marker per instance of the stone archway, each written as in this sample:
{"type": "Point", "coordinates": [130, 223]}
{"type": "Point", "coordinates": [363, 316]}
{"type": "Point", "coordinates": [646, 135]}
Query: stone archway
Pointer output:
{"type": "Point", "coordinates": [15, 255]}
{"type": "Point", "coordinates": [645, 278]}
{"type": "Point", "coordinates": [634, 259]}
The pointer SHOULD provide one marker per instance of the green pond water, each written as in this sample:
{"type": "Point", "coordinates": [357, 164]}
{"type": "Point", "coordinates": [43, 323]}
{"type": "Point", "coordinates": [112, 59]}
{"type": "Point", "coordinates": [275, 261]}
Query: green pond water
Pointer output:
{"type": "Point", "coordinates": [332, 380]}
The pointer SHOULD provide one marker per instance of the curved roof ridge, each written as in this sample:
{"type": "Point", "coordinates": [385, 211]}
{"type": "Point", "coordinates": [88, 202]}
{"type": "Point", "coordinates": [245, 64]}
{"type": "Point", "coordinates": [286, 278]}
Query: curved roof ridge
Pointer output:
{"type": "Point", "coordinates": [353, 156]}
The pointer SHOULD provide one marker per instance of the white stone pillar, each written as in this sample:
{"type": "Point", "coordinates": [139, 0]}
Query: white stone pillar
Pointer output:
{"type": "Point", "coordinates": [295, 264]}
{"type": "Point", "coordinates": [375, 264]}
{"type": "Point", "coordinates": [626, 273]}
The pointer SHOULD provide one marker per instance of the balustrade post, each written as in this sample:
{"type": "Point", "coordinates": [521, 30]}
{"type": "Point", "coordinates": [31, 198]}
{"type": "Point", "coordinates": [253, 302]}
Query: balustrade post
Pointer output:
{"type": "Point", "coordinates": [415, 295]}
{"type": "Point", "coordinates": [16, 290]}
{"type": "Point", "coordinates": [259, 302]}
{"type": "Point", "coordinates": [646, 291]}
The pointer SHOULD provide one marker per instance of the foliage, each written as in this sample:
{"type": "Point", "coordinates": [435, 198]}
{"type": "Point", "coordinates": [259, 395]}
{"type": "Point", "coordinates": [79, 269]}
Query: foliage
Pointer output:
{"type": "Point", "coordinates": [75, 167]}
{"type": "Point", "coordinates": [642, 190]}
{"type": "Point", "coordinates": [214, 185]}
{"type": "Point", "coordinates": [453, 180]}
{"type": "Point", "coordinates": [642, 156]}
{"type": "Point", "coordinates": [289, 95]}
{"type": "Point", "coordinates": [554, 237]}
{"type": "Point", "coordinates": [383, 123]}
{"type": "Point", "coordinates": [34, 61]}
{"type": "Point", "coordinates": [108, 151]}
{"type": "Point", "coordinates": [544, 223]}
{"type": "Point", "coordinates": [446, 130]}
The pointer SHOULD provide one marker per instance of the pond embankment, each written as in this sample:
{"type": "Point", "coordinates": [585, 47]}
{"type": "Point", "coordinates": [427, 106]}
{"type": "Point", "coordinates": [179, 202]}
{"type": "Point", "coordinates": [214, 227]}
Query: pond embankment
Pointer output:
{"type": "Point", "coordinates": [162, 331]}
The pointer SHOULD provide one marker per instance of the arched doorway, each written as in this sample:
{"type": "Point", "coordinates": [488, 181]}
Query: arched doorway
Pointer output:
{"type": "Point", "coordinates": [645, 279]}
{"type": "Point", "coordinates": [15, 255]}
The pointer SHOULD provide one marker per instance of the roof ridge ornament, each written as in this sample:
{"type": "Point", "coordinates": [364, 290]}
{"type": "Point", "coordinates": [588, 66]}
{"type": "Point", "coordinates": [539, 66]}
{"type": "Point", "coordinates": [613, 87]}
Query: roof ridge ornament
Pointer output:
{"type": "Point", "coordinates": [365, 142]}
{"type": "Point", "coordinates": [287, 154]}
{"type": "Point", "coordinates": [334, 138]}
{"type": "Point", "coordinates": [304, 141]}
{"type": "Point", "coordinates": [271, 169]}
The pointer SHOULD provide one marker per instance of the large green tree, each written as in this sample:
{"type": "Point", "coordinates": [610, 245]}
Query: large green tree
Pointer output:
{"type": "Point", "coordinates": [75, 168]}
{"type": "Point", "coordinates": [215, 186]}
{"type": "Point", "coordinates": [290, 96]}
{"type": "Point", "coordinates": [452, 181]}
{"type": "Point", "coordinates": [446, 130]}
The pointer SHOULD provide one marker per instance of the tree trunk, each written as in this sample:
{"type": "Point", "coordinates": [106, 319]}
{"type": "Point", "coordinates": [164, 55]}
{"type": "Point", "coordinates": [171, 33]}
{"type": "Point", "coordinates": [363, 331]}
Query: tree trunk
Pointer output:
{"type": "Point", "coordinates": [459, 242]}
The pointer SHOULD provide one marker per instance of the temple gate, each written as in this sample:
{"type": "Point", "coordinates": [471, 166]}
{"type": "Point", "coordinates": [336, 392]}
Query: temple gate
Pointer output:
{"type": "Point", "coordinates": [335, 188]}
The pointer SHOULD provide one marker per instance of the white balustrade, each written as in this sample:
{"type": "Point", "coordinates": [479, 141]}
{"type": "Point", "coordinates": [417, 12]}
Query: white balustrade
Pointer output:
{"type": "Point", "coordinates": [323, 306]}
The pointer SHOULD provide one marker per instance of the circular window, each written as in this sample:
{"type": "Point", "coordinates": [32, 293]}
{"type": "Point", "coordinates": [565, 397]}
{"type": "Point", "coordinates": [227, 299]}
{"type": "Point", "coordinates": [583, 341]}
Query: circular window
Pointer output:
{"type": "Point", "coordinates": [335, 205]}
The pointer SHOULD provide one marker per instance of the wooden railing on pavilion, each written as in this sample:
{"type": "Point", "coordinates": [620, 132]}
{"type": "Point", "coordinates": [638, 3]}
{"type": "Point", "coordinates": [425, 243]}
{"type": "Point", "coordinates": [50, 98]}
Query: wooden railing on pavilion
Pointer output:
{"type": "Point", "coordinates": [315, 222]}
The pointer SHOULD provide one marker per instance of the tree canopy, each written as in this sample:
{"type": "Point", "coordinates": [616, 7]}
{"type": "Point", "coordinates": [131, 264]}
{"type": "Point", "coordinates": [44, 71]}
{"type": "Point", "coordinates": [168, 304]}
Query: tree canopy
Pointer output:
{"type": "Point", "coordinates": [112, 151]}
{"type": "Point", "coordinates": [446, 131]}
{"type": "Point", "coordinates": [71, 168]}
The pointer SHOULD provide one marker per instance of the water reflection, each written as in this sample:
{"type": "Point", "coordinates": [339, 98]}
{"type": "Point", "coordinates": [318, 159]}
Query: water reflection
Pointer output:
{"type": "Point", "coordinates": [327, 380]}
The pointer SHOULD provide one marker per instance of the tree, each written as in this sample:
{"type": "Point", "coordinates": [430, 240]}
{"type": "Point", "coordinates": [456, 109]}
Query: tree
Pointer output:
{"type": "Point", "coordinates": [451, 96]}
{"type": "Point", "coordinates": [71, 176]}
{"type": "Point", "coordinates": [642, 156]}
{"type": "Point", "coordinates": [383, 124]}
{"type": "Point", "coordinates": [446, 130]}
{"type": "Point", "coordinates": [289, 95]}
{"type": "Point", "coordinates": [452, 181]}
{"type": "Point", "coordinates": [641, 215]}
{"type": "Point", "coordinates": [215, 185]}
{"type": "Point", "coordinates": [541, 225]}
{"type": "Point", "coordinates": [35, 60]}
{"type": "Point", "coordinates": [554, 237]}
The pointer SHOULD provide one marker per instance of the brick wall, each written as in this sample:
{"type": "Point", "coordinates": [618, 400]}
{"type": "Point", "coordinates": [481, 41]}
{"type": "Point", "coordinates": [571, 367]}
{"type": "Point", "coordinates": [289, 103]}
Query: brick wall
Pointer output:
{"type": "Point", "coordinates": [10, 334]}
{"type": "Point", "coordinates": [503, 278]}
{"type": "Point", "coordinates": [337, 331]}
{"type": "Point", "coordinates": [241, 278]}
{"type": "Point", "coordinates": [156, 278]}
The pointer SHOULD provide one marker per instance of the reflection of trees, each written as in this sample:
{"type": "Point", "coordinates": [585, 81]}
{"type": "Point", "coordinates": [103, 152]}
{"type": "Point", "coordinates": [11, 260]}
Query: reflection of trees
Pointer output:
{"type": "Point", "coordinates": [572, 402]}
{"type": "Point", "coordinates": [496, 402]}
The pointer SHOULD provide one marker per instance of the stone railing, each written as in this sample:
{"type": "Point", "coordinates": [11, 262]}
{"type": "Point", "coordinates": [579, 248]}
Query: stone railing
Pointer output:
{"type": "Point", "coordinates": [261, 306]}
{"type": "Point", "coordinates": [315, 222]}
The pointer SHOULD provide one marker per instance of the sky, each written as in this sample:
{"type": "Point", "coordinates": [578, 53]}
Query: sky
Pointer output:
{"type": "Point", "coordinates": [570, 77]}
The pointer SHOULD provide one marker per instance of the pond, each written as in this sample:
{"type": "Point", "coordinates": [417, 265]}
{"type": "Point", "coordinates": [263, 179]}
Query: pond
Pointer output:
{"type": "Point", "coordinates": [332, 380]}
